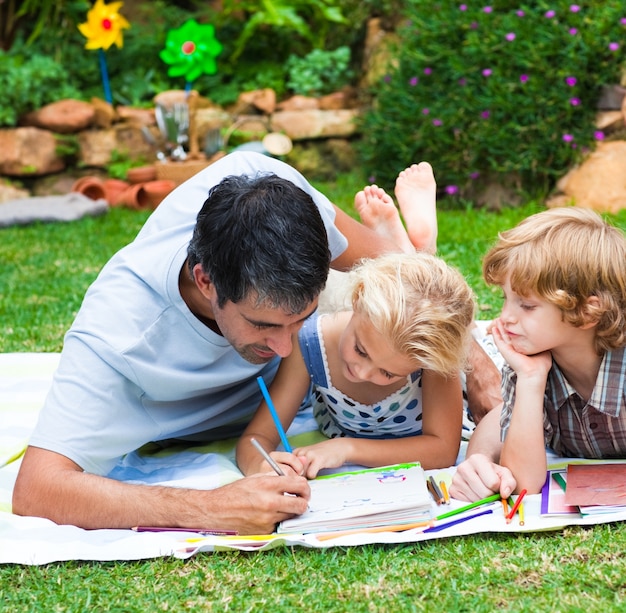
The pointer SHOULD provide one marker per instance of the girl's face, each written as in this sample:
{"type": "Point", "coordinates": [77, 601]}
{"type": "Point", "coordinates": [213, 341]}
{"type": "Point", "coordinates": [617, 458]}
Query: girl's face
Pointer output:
{"type": "Point", "coordinates": [367, 356]}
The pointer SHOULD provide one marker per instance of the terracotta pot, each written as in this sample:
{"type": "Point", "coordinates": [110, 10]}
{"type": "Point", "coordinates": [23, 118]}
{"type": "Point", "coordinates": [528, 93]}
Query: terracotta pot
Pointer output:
{"type": "Point", "coordinates": [134, 197]}
{"type": "Point", "coordinates": [92, 187]}
{"type": "Point", "coordinates": [142, 174]}
{"type": "Point", "coordinates": [157, 190]}
{"type": "Point", "coordinates": [113, 189]}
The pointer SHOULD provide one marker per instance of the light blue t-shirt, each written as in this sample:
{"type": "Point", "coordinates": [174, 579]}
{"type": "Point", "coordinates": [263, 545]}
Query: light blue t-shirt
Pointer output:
{"type": "Point", "coordinates": [137, 365]}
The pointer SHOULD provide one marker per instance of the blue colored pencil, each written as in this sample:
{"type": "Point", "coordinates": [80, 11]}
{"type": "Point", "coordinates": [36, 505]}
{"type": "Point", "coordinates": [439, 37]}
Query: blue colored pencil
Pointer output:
{"type": "Point", "coordinates": [460, 520]}
{"type": "Point", "coordinates": [272, 408]}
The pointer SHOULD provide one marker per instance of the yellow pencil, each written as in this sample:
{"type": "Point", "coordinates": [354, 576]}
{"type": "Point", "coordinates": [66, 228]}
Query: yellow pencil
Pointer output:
{"type": "Point", "coordinates": [520, 512]}
{"type": "Point", "coordinates": [444, 489]}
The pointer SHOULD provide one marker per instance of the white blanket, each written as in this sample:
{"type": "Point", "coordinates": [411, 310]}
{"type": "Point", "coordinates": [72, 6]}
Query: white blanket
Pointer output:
{"type": "Point", "coordinates": [24, 381]}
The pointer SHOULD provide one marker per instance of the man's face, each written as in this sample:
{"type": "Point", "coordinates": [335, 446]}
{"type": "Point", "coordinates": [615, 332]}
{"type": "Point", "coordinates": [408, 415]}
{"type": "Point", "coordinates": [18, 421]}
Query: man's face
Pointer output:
{"type": "Point", "coordinates": [258, 333]}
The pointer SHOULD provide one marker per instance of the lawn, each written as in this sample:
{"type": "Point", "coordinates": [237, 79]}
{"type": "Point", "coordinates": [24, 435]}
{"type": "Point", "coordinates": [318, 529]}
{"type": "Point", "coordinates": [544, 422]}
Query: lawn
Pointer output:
{"type": "Point", "coordinates": [46, 270]}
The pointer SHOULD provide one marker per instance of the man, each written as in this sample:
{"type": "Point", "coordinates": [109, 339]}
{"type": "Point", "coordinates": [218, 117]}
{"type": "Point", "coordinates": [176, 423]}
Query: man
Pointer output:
{"type": "Point", "coordinates": [169, 342]}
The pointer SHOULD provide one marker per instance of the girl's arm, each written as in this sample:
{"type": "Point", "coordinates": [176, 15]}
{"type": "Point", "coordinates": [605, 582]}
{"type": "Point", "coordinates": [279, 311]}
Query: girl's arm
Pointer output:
{"type": "Point", "coordinates": [436, 447]}
{"type": "Point", "coordinates": [523, 451]}
{"type": "Point", "coordinates": [287, 392]}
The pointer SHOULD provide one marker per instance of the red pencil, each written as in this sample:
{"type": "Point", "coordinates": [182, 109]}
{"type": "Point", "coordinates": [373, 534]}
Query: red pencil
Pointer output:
{"type": "Point", "coordinates": [512, 512]}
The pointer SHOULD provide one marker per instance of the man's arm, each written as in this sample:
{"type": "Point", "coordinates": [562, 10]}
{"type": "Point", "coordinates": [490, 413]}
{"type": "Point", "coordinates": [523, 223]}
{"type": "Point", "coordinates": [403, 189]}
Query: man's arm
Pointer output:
{"type": "Point", "coordinates": [52, 486]}
{"type": "Point", "coordinates": [483, 383]}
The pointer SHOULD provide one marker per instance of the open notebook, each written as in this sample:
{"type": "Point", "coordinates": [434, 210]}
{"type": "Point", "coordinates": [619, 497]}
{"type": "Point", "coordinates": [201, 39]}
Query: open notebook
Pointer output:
{"type": "Point", "coordinates": [385, 496]}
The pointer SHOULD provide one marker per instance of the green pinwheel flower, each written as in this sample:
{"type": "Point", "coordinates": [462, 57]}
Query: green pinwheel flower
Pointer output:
{"type": "Point", "coordinates": [191, 51]}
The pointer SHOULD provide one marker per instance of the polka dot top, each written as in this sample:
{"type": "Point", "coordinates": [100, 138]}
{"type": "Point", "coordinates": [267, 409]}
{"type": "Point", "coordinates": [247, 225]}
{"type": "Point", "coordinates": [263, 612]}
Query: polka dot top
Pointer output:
{"type": "Point", "coordinates": [400, 414]}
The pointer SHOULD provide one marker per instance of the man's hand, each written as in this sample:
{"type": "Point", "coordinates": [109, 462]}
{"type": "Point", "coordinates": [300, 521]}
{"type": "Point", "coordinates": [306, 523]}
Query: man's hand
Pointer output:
{"type": "Point", "coordinates": [483, 383]}
{"type": "Point", "coordinates": [479, 477]}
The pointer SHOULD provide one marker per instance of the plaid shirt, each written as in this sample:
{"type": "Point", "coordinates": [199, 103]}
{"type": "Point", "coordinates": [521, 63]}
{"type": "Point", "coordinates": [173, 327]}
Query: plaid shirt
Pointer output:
{"type": "Point", "coordinates": [573, 427]}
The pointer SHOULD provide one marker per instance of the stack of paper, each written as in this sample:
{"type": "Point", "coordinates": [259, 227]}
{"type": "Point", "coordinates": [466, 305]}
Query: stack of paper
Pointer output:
{"type": "Point", "coordinates": [385, 496]}
{"type": "Point", "coordinates": [596, 488]}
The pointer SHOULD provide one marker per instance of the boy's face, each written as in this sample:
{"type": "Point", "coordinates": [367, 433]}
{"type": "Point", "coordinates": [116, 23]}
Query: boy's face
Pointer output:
{"type": "Point", "coordinates": [533, 324]}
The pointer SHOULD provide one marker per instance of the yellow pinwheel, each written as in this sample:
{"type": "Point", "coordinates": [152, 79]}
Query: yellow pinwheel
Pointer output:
{"type": "Point", "coordinates": [104, 26]}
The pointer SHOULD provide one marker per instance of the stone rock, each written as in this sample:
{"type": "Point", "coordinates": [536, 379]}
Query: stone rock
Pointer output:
{"type": "Point", "coordinates": [29, 152]}
{"type": "Point", "coordinates": [609, 120]}
{"type": "Point", "coordinates": [263, 100]}
{"type": "Point", "coordinates": [298, 103]}
{"type": "Point", "coordinates": [97, 146]}
{"type": "Point", "coordinates": [315, 123]}
{"type": "Point", "coordinates": [598, 183]}
{"type": "Point", "coordinates": [343, 99]}
{"type": "Point", "coordinates": [9, 192]}
{"type": "Point", "coordinates": [141, 117]}
{"type": "Point", "coordinates": [64, 117]}
{"type": "Point", "coordinates": [105, 114]}
{"type": "Point", "coordinates": [378, 54]}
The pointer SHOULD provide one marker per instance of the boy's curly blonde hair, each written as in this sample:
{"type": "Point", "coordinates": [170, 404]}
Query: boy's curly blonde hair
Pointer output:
{"type": "Point", "coordinates": [424, 308]}
{"type": "Point", "coordinates": [565, 256]}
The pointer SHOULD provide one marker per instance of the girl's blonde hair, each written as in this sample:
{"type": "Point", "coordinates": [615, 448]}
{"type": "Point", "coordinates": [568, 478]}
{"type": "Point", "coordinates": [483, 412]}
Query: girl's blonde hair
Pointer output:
{"type": "Point", "coordinates": [565, 256]}
{"type": "Point", "coordinates": [422, 306]}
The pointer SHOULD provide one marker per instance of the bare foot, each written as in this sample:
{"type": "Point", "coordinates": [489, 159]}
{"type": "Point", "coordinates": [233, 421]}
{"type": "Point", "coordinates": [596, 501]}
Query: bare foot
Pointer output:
{"type": "Point", "coordinates": [379, 213]}
{"type": "Point", "coordinates": [416, 192]}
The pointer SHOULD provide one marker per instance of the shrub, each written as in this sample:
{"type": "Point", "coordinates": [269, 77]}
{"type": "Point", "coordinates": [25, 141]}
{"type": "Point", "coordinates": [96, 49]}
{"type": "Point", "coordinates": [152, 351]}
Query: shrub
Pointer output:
{"type": "Point", "coordinates": [27, 84]}
{"type": "Point", "coordinates": [319, 72]}
{"type": "Point", "coordinates": [481, 90]}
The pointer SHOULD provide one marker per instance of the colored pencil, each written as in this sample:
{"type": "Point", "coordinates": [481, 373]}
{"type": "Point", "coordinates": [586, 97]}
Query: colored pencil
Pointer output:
{"type": "Point", "coordinates": [444, 490]}
{"type": "Point", "coordinates": [521, 514]}
{"type": "Point", "coordinates": [203, 531]}
{"type": "Point", "coordinates": [326, 536]}
{"type": "Point", "coordinates": [436, 489]}
{"type": "Point", "coordinates": [505, 507]}
{"type": "Point", "coordinates": [469, 506]}
{"type": "Point", "coordinates": [272, 408]}
{"type": "Point", "coordinates": [512, 512]}
{"type": "Point", "coordinates": [559, 479]}
{"type": "Point", "coordinates": [433, 492]}
{"type": "Point", "coordinates": [460, 520]}
{"type": "Point", "coordinates": [267, 457]}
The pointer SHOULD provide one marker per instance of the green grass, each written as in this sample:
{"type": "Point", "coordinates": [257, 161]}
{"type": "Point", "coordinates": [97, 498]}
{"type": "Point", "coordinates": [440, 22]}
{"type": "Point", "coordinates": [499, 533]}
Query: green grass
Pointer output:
{"type": "Point", "coordinates": [45, 272]}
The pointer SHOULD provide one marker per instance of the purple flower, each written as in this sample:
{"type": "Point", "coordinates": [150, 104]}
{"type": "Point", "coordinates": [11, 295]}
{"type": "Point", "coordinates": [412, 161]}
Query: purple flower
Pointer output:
{"type": "Point", "coordinates": [428, 70]}
{"type": "Point", "coordinates": [613, 46]}
{"type": "Point", "coordinates": [474, 25]}
{"type": "Point", "coordinates": [413, 81]}
{"type": "Point", "coordinates": [387, 78]}
{"type": "Point", "coordinates": [372, 179]}
{"type": "Point", "coordinates": [463, 7]}
{"type": "Point", "coordinates": [574, 8]}
{"type": "Point", "coordinates": [485, 114]}
{"type": "Point", "coordinates": [623, 21]}
{"type": "Point", "coordinates": [568, 138]}
{"type": "Point", "coordinates": [520, 13]}
{"type": "Point", "coordinates": [574, 101]}
{"type": "Point", "coordinates": [573, 31]}
{"type": "Point", "coordinates": [437, 122]}
{"type": "Point", "coordinates": [550, 14]}
{"type": "Point", "coordinates": [425, 111]}
{"type": "Point", "coordinates": [487, 9]}
{"type": "Point", "coordinates": [598, 135]}
{"type": "Point", "coordinates": [474, 175]}
{"type": "Point", "coordinates": [510, 36]}
{"type": "Point", "coordinates": [462, 81]}
{"type": "Point", "coordinates": [487, 72]}
{"type": "Point", "coordinates": [523, 78]}
{"type": "Point", "coordinates": [571, 81]}
{"type": "Point", "coordinates": [452, 189]}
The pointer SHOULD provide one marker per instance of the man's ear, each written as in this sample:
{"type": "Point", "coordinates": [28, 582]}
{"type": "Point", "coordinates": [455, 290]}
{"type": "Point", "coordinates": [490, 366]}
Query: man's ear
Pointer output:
{"type": "Point", "coordinates": [202, 281]}
{"type": "Point", "coordinates": [591, 312]}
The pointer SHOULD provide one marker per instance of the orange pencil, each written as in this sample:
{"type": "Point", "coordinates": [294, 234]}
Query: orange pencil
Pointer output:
{"type": "Point", "coordinates": [509, 517]}
{"type": "Point", "coordinates": [326, 536]}
{"type": "Point", "coordinates": [505, 507]}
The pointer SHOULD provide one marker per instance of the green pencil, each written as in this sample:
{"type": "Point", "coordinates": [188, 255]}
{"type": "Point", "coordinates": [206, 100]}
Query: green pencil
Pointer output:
{"type": "Point", "coordinates": [467, 507]}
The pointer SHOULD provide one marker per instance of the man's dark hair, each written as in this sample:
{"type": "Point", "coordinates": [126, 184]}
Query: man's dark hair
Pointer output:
{"type": "Point", "coordinates": [261, 235]}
